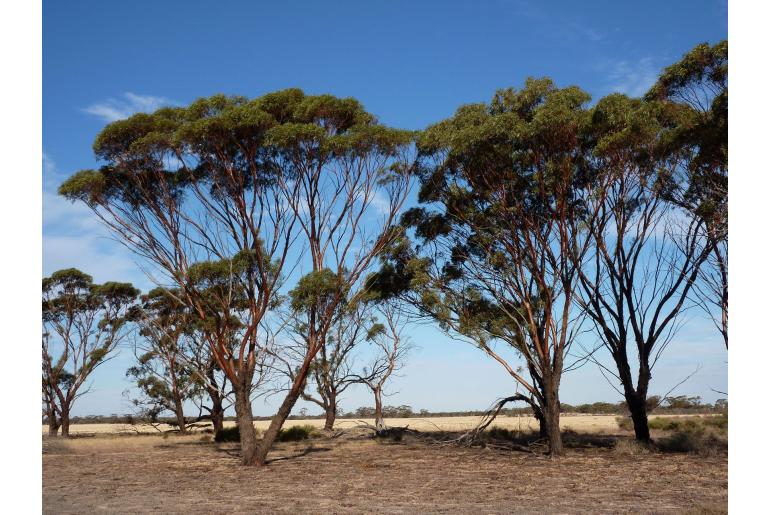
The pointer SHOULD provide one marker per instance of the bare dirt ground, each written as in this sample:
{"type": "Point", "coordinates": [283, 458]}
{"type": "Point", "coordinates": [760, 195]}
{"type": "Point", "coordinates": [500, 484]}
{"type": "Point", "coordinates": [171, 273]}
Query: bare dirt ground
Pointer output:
{"type": "Point", "coordinates": [138, 474]}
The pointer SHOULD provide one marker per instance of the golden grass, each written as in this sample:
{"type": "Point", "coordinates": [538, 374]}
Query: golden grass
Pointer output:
{"type": "Point", "coordinates": [597, 424]}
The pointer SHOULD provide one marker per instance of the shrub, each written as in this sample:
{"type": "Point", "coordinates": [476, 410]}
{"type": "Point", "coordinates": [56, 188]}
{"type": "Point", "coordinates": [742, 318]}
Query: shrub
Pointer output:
{"type": "Point", "coordinates": [296, 433]}
{"type": "Point", "coordinates": [231, 434]}
{"type": "Point", "coordinates": [624, 423]}
{"type": "Point", "coordinates": [700, 440]}
{"type": "Point", "coordinates": [718, 423]}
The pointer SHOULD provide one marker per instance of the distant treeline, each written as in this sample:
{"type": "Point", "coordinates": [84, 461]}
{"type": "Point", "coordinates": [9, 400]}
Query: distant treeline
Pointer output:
{"type": "Point", "coordinates": [670, 405]}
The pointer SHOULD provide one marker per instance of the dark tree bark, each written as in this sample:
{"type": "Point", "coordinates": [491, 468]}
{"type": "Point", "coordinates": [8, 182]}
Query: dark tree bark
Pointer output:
{"type": "Point", "coordinates": [65, 422]}
{"type": "Point", "coordinates": [331, 414]}
{"type": "Point", "coordinates": [53, 425]}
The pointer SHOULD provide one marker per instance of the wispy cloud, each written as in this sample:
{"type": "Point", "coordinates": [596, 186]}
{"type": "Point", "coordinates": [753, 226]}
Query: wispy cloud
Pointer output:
{"type": "Point", "coordinates": [113, 109]}
{"type": "Point", "coordinates": [632, 78]}
{"type": "Point", "coordinates": [49, 166]}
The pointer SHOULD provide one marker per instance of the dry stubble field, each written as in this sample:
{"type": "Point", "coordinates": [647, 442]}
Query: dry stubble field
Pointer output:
{"type": "Point", "coordinates": [354, 474]}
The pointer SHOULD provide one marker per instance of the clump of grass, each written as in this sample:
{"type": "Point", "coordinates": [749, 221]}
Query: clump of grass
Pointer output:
{"type": "Point", "coordinates": [630, 447]}
{"type": "Point", "coordinates": [231, 434]}
{"type": "Point", "coordinates": [296, 433]}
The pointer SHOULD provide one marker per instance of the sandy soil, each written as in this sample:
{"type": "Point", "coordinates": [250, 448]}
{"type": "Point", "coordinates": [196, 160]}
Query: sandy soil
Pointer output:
{"type": "Point", "coordinates": [185, 474]}
{"type": "Point", "coordinates": [580, 423]}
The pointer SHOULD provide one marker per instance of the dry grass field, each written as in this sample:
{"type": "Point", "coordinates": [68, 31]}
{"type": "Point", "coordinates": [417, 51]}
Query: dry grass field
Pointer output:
{"type": "Point", "coordinates": [595, 424]}
{"type": "Point", "coordinates": [355, 474]}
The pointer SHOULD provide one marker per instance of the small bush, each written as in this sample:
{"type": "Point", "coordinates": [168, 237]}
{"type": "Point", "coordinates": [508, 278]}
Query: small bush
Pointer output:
{"type": "Point", "coordinates": [699, 440]}
{"type": "Point", "coordinates": [231, 434]}
{"type": "Point", "coordinates": [624, 423]}
{"type": "Point", "coordinates": [296, 433]}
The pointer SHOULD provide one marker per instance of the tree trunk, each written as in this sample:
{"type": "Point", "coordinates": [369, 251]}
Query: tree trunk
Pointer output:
{"type": "Point", "coordinates": [217, 415]}
{"type": "Point", "coordinates": [543, 432]}
{"type": "Point", "coordinates": [245, 424]}
{"type": "Point", "coordinates": [551, 418]}
{"type": "Point", "coordinates": [179, 412]}
{"type": "Point", "coordinates": [379, 421]}
{"type": "Point", "coordinates": [636, 398]}
{"type": "Point", "coordinates": [283, 412]}
{"type": "Point", "coordinates": [217, 412]}
{"type": "Point", "coordinates": [65, 423]}
{"type": "Point", "coordinates": [637, 405]}
{"type": "Point", "coordinates": [331, 414]}
{"type": "Point", "coordinates": [53, 425]}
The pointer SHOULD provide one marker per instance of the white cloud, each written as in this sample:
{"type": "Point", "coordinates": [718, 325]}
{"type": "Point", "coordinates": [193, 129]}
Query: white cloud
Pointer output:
{"type": "Point", "coordinates": [633, 78]}
{"type": "Point", "coordinates": [49, 166]}
{"type": "Point", "coordinates": [112, 109]}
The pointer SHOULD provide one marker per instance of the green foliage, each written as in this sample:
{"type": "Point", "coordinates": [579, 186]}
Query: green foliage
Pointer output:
{"type": "Point", "coordinates": [317, 291]}
{"type": "Point", "coordinates": [296, 433]}
{"type": "Point", "coordinates": [231, 434]}
{"type": "Point", "coordinates": [250, 136]}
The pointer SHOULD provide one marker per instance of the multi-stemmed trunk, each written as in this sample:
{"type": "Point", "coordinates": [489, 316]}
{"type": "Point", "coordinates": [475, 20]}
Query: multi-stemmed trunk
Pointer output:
{"type": "Point", "coordinates": [636, 397]}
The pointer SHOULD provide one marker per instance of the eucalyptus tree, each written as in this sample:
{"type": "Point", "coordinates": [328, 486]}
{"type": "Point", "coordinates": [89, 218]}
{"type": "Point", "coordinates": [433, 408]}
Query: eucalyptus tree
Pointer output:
{"type": "Point", "coordinates": [333, 370]}
{"type": "Point", "coordinates": [191, 186]}
{"type": "Point", "coordinates": [83, 323]}
{"type": "Point", "coordinates": [163, 373]}
{"type": "Point", "coordinates": [230, 176]}
{"type": "Point", "coordinates": [698, 82]}
{"type": "Point", "coordinates": [647, 251]}
{"type": "Point", "coordinates": [349, 178]}
{"type": "Point", "coordinates": [502, 190]}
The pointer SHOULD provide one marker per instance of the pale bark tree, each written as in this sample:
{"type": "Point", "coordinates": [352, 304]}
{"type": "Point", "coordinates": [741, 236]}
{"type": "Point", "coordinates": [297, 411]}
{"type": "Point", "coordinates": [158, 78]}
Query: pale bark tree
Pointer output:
{"type": "Point", "coordinates": [83, 324]}
{"type": "Point", "coordinates": [391, 349]}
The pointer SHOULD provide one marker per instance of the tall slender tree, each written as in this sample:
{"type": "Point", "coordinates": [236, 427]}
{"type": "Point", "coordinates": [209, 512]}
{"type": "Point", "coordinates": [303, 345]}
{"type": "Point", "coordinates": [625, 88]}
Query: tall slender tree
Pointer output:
{"type": "Point", "coordinates": [348, 177]}
{"type": "Point", "coordinates": [392, 347]}
{"type": "Point", "coordinates": [646, 253]}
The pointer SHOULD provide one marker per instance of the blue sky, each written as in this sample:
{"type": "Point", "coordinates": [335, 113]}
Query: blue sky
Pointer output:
{"type": "Point", "coordinates": [410, 63]}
